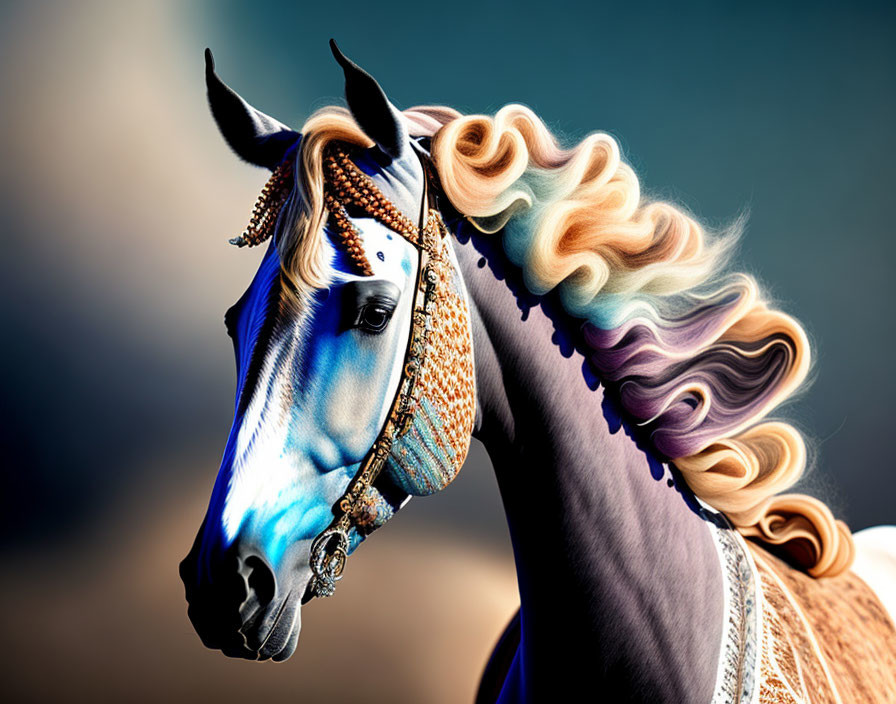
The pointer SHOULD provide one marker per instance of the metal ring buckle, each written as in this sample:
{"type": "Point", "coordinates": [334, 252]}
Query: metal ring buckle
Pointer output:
{"type": "Point", "coordinates": [328, 560]}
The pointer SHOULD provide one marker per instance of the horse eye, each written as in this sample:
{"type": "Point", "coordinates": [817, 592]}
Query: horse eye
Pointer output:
{"type": "Point", "coordinates": [369, 304]}
{"type": "Point", "coordinates": [373, 318]}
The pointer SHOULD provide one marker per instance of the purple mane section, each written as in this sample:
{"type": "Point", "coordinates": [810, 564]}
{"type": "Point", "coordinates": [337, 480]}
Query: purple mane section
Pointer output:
{"type": "Point", "coordinates": [682, 381]}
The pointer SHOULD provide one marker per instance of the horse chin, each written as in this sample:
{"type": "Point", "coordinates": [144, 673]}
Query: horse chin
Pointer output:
{"type": "Point", "coordinates": [283, 637]}
{"type": "Point", "coordinates": [272, 634]}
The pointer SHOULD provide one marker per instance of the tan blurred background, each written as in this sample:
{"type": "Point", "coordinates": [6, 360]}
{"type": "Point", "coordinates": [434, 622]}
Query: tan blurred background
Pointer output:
{"type": "Point", "coordinates": [118, 196]}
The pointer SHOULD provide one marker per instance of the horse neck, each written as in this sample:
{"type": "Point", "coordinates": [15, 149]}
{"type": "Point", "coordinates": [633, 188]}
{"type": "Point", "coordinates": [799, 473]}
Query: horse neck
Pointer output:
{"type": "Point", "coordinates": [619, 579]}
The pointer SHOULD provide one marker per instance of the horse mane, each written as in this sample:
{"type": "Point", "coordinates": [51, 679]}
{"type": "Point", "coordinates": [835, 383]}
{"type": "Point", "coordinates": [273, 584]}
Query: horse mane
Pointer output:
{"type": "Point", "coordinates": [694, 352]}
{"type": "Point", "coordinates": [304, 261]}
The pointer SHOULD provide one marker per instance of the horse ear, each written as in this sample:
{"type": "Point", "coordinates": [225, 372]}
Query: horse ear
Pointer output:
{"type": "Point", "coordinates": [380, 120]}
{"type": "Point", "coordinates": [254, 136]}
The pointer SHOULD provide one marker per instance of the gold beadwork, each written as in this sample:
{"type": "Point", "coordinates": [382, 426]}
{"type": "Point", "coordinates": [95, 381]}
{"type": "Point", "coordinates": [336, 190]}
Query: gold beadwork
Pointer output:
{"type": "Point", "coordinates": [267, 207]}
{"type": "Point", "coordinates": [345, 183]}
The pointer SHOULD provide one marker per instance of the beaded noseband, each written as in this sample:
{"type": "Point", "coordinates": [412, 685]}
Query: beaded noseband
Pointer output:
{"type": "Point", "coordinates": [425, 438]}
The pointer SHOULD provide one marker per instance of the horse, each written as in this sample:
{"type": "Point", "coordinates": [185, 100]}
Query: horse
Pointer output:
{"type": "Point", "coordinates": [430, 277]}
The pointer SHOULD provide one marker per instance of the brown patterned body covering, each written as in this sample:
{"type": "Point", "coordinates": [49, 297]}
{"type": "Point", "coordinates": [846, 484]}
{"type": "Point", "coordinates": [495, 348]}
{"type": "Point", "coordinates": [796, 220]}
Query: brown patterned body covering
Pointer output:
{"type": "Point", "coordinates": [823, 640]}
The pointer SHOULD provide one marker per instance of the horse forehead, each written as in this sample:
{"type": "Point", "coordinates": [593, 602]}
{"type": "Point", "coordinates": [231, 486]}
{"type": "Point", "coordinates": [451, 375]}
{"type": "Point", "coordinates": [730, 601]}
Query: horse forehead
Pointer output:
{"type": "Point", "coordinates": [391, 256]}
{"type": "Point", "coordinates": [400, 180]}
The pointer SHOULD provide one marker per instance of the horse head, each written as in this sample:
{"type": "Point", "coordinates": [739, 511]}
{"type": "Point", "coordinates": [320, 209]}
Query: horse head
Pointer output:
{"type": "Point", "coordinates": [354, 386]}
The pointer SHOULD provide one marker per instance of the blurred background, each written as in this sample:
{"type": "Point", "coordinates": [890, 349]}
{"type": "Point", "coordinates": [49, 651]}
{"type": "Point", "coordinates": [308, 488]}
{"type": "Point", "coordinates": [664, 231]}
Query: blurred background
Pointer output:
{"type": "Point", "coordinates": [117, 197]}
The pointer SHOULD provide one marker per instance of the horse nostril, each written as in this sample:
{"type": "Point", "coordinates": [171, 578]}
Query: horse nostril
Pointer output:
{"type": "Point", "coordinates": [261, 580]}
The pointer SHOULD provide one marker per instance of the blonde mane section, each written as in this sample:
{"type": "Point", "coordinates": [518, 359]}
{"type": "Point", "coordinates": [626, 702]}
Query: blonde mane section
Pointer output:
{"type": "Point", "coordinates": [302, 249]}
{"type": "Point", "coordinates": [695, 353]}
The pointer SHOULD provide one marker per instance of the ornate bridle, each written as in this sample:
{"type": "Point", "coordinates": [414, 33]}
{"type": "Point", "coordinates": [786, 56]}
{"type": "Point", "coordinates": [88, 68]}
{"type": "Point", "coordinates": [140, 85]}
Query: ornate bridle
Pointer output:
{"type": "Point", "coordinates": [426, 435]}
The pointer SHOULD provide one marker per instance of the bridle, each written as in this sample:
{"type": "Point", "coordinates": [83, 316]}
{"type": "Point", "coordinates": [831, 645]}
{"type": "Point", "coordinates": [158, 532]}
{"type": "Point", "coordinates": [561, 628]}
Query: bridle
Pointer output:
{"type": "Point", "coordinates": [425, 437]}
{"type": "Point", "coordinates": [345, 184]}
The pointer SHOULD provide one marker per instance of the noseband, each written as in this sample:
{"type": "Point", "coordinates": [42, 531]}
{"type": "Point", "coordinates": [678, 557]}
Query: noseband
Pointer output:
{"type": "Point", "coordinates": [346, 185]}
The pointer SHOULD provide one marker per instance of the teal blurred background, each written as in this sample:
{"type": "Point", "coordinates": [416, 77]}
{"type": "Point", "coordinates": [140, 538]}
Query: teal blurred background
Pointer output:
{"type": "Point", "coordinates": [116, 199]}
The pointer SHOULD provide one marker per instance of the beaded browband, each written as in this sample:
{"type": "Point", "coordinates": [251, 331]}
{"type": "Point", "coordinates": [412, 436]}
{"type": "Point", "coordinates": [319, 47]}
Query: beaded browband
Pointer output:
{"type": "Point", "coordinates": [344, 183]}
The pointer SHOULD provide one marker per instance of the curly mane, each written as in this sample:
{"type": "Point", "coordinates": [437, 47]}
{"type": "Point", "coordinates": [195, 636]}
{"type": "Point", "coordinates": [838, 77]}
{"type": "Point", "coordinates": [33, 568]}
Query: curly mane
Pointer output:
{"type": "Point", "coordinates": [694, 353]}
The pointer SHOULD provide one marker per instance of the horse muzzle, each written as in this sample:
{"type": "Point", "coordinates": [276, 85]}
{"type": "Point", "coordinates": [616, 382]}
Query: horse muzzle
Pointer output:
{"type": "Point", "coordinates": [237, 606]}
